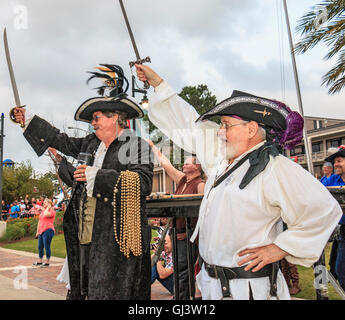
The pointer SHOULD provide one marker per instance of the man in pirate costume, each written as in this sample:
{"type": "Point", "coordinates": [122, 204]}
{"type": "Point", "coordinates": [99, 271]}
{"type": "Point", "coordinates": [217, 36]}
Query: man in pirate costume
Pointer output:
{"type": "Point", "coordinates": [251, 187]}
{"type": "Point", "coordinates": [105, 226]}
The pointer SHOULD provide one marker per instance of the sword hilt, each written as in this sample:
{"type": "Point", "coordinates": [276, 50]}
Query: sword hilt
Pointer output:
{"type": "Point", "coordinates": [141, 61]}
{"type": "Point", "coordinates": [13, 118]}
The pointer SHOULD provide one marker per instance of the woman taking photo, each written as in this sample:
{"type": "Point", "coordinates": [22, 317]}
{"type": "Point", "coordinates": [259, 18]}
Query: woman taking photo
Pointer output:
{"type": "Point", "coordinates": [45, 231]}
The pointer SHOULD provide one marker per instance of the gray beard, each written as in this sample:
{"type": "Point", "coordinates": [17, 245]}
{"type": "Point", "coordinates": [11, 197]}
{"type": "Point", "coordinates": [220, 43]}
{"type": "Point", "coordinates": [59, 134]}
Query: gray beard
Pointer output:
{"type": "Point", "coordinates": [231, 151]}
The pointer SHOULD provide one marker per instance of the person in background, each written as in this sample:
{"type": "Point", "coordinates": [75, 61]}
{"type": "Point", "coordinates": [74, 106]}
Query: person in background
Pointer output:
{"type": "Point", "coordinates": [290, 273]}
{"type": "Point", "coordinates": [22, 208]}
{"type": "Point", "coordinates": [14, 210]}
{"type": "Point", "coordinates": [45, 232]}
{"type": "Point", "coordinates": [188, 181]}
{"type": "Point", "coordinates": [327, 170]}
{"type": "Point", "coordinates": [4, 210]}
{"type": "Point", "coordinates": [163, 270]}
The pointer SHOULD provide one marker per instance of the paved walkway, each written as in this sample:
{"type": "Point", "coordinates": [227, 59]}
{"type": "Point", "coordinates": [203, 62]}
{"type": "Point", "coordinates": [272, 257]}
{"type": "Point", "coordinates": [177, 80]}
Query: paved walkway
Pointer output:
{"type": "Point", "coordinates": [19, 280]}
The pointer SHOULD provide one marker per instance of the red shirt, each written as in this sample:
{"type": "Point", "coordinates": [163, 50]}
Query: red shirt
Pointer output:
{"type": "Point", "coordinates": [46, 222]}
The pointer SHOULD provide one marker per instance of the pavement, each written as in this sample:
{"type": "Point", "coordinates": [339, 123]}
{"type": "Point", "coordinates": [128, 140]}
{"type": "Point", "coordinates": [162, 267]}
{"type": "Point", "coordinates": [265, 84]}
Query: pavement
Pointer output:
{"type": "Point", "coordinates": [20, 280]}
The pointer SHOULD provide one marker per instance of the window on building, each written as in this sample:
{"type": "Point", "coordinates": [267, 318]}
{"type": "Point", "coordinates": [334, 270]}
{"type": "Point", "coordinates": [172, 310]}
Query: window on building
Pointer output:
{"type": "Point", "coordinates": [333, 143]}
{"type": "Point", "coordinates": [317, 124]}
{"type": "Point", "coordinates": [297, 151]}
{"type": "Point", "coordinates": [316, 146]}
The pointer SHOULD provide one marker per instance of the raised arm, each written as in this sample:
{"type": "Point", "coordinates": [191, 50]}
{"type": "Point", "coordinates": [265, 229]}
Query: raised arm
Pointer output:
{"type": "Point", "coordinates": [173, 173]}
{"type": "Point", "coordinates": [41, 134]}
{"type": "Point", "coordinates": [176, 119]}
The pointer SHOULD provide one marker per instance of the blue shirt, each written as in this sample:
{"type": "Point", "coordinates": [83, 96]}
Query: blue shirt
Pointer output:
{"type": "Point", "coordinates": [324, 178]}
{"type": "Point", "coordinates": [334, 180]}
{"type": "Point", "coordinates": [14, 211]}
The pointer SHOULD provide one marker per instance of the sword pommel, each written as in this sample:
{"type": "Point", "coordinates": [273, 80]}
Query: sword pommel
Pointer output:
{"type": "Point", "coordinates": [141, 61]}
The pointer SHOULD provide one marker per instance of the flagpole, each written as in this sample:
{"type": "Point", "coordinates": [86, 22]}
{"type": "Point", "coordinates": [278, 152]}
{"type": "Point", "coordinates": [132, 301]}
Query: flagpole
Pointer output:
{"type": "Point", "coordinates": [298, 90]}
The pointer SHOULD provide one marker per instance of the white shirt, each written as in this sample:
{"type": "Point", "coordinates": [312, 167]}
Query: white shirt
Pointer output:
{"type": "Point", "coordinates": [231, 219]}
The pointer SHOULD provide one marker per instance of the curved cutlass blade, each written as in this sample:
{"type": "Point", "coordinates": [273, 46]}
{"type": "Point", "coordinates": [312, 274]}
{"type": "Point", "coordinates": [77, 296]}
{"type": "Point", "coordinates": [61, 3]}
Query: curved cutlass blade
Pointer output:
{"type": "Point", "coordinates": [13, 80]}
{"type": "Point", "coordinates": [10, 70]}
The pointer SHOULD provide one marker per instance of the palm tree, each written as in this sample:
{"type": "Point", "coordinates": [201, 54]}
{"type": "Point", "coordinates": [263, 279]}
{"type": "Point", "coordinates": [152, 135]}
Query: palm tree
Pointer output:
{"type": "Point", "coordinates": [326, 23]}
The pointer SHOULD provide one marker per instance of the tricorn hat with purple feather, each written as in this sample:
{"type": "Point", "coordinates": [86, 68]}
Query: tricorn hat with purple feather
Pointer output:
{"type": "Point", "coordinates": [282, 125]}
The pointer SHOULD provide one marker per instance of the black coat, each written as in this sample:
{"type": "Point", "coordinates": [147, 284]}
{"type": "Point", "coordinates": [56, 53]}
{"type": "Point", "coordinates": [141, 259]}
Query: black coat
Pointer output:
{"type": "Point", "coordinates": [111, 275]}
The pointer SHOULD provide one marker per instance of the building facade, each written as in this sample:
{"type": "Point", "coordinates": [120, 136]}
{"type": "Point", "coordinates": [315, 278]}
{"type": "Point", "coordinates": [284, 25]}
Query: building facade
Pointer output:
{"type": "Point", "coordinates": [322, 134]}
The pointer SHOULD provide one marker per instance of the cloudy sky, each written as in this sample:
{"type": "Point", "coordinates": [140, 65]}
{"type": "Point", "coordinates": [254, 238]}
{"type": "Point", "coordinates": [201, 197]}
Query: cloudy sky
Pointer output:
{"type": "Point", "coordinates": [226, 44]}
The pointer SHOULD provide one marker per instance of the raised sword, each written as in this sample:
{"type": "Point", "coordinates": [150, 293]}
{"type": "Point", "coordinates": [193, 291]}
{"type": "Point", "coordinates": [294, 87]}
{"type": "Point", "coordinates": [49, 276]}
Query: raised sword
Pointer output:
{"type": "Point", "coordinates": [139, 60]}
{"type": "Point", "coordinates": [13, 81]}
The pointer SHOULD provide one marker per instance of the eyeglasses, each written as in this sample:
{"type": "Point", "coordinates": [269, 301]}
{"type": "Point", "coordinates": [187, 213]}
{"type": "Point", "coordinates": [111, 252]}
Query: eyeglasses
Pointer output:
{"type": "Point", "coordinates": [95, 118]}
{"type": "Point", "coordinates": [228, 126]}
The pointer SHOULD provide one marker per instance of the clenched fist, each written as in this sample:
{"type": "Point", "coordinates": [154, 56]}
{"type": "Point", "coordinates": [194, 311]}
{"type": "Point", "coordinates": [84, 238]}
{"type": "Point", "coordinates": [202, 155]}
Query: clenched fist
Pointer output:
{"type": "Point", "coordinates": [19, 114]}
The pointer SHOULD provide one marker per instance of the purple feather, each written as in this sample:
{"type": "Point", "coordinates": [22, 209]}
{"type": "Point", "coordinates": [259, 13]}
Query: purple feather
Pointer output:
{"type": "Point", "coordinates": [293, 134]}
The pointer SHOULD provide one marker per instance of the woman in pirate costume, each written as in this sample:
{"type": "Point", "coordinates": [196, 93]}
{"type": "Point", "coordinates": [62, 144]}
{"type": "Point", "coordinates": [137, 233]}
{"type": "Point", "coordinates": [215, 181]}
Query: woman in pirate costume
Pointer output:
{"type": "Point", "coordinates": [105, 227]}
{"type": "Point", "coordinates": [251, 187]}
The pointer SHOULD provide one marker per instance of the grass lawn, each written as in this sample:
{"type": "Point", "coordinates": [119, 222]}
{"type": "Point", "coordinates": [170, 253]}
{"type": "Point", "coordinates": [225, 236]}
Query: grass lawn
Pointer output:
{"type": "Point", "coordinates": [307, 281]}
{"type": "Point", "coordinates": [306, 274]}
{"type": "Point", "coordinates": [58, 247]}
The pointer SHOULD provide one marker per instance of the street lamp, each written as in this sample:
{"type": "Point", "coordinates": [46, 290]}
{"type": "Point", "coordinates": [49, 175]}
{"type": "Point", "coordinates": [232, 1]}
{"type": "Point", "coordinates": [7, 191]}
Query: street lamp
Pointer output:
{"type": "Point", "coordinates": [76, 128]}
{"type": "Point", "coordinates": [144, 101]}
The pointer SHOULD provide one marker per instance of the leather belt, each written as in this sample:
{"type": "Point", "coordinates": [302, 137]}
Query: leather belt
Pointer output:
{"type": "Point", "coordinates": [238, 272]}
{"type": "Point", "coordinates": [225, 274]}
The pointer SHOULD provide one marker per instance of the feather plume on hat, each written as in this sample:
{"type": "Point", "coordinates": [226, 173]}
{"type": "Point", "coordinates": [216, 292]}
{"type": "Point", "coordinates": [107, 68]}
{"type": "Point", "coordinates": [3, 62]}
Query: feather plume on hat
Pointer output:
{"type": "Point", "coordinates": [113, 79]}
{"type": "Point", "coordinates": [115, 82]}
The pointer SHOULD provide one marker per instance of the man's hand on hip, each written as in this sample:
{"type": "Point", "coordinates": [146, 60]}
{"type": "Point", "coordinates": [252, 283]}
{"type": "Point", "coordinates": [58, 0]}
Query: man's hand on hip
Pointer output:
{"type": "Point", "coordinates": [261, 256]}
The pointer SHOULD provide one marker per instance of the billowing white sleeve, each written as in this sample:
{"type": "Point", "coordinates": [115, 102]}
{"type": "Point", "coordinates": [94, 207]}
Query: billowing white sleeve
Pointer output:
{"type": "Point", "coordinates": [176, 119]}
{"type": "Point", "coordinates": [306, 206]}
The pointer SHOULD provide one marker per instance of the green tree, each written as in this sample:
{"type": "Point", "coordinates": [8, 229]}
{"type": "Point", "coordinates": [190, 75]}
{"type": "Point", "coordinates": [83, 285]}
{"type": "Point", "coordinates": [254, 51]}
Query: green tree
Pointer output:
{"type": "Point", "coordinates": [200, 97]}
{"type": "Point", "coordinates": [325, 23]}
{"type": "Point", "coordinates": [19, 181]}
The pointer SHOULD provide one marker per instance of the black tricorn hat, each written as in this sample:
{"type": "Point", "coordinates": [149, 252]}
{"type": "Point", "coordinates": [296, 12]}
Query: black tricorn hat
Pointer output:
{"type": "Point", "coordinates": [85, 111]}
{"type": "Point", "coordinates": [339, 153]}
{"type": "Point", "coordinates": [249, 107]}
{"type": "Point", "coordinates": [113, 79]}
{"type": "Point", "coordinates": [283, 126]}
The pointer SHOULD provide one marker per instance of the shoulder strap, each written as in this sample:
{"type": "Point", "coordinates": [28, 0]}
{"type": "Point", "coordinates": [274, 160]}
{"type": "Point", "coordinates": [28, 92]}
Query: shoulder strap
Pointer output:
{"type": "Point", "coordinates": [218, 181]}
{"type": "Point", "coordinates": [258, 159]}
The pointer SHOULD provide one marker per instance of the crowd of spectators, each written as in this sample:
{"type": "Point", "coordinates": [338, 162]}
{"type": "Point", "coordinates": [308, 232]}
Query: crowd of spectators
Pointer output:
{"type": "Point", "coordinates": [24, 208]}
